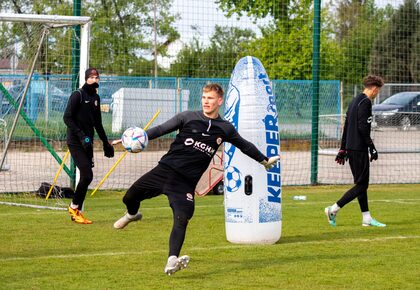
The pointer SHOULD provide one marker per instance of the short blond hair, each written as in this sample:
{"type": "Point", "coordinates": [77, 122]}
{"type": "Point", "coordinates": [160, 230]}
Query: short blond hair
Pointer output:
{"type": "Point", "coordinates": [215, 88]}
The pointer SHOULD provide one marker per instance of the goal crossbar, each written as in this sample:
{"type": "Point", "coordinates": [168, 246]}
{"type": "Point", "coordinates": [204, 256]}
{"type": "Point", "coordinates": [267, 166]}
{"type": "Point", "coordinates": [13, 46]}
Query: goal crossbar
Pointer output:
{"type": "Point", "coordinates": [54, 20]}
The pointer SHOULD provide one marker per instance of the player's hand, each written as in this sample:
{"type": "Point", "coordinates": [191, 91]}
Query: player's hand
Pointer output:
{"type": "Point", "coordinates": [86, 142]}
{"type": "Point", "coordinates": [373, 152]}
{"type": "Point", "coordinates": [108, 150]}
{"type": "Point", "coordinates": [115, 142]}
{"type": "Point", "coordinates": [271, 162]}
{"type": "Point", "coordinates": [341, 157]}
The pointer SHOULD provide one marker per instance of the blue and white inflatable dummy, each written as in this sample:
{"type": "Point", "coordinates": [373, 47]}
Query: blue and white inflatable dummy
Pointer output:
{"type": "Point", "coordinates": [252, 194]}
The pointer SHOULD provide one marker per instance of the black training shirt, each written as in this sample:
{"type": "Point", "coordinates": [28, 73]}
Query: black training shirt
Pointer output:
{"type": "Point", "coordinates": [83, 115]}
{"type": "Point", "coordinates": [197, 142]}
{"type": "Point", "coordinates": [356, 133]}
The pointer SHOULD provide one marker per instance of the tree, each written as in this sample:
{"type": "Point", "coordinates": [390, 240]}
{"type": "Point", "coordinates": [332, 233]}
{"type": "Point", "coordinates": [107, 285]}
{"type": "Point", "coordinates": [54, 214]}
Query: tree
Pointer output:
{"type": "Point", "coordinates": [356, 26]}
{"type": "Point", "coordinates": [415, 56]}
{"type": "Point", "coordinates": [395, 52]}
{"type": "Point", "coordinates": [285, 48]}
{"type": "Point", "coordinates": [121, 35]}
{"type": "Point", "coordinates": [277, 9]}
{"type": "Point", "coordinates": [227, 46]}
{"type": "Point", "coordinates": [27, 35]}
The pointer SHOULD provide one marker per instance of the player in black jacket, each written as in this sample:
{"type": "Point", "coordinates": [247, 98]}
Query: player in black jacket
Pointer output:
{"type": "Point", "coordinates": [82, 116]}
{"type": "Point", "coordinates": [178, 172]}
{"type": "Point", "coordinates": [356, 145]}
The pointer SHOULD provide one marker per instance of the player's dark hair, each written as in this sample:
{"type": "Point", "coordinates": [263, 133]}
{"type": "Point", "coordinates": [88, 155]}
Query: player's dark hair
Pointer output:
{"type": "Point", "coordinates": [215, 88]}
{"type": "Point", "coordinates": [373, 81]}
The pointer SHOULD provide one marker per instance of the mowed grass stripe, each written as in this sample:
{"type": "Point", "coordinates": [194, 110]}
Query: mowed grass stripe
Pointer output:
{"type": "Point", "coordinates": [217, 248]}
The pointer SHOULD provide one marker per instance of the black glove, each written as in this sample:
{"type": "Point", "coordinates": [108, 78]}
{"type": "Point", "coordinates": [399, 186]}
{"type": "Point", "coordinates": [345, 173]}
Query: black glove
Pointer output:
{"type": "Point", "coordinates": [341, 157]}
{"type": "Point", "coordinates": [86, 142]}
{"type": "Point", "coordinates": [373, 152]}
{"type": "Point", "coordinates": [108, 150]}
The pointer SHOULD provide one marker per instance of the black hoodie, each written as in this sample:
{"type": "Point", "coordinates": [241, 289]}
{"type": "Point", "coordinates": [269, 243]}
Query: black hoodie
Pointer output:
{"type": "Point", "coordinates": [83, 115]}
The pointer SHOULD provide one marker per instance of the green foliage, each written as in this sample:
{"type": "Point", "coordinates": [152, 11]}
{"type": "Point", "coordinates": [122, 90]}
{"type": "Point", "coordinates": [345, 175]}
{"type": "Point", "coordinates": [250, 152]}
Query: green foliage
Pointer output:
{"type": "Point", "coordinates": [285, 54]}
{"type": "Point", "coordinates": [277, 9]}
{"type": "Point", "coordinates": [123, 34]}
{"type": "Point", "coordinates": [285, 48]}
{"type": "Point", "coordinates": [396, 51]}
{"type": "Point", "coordinates": [357, 38]}
{"type": "Point", "coordinates": [227, 46]}
{"type": "Point", "coordinates": [122, 37]}
{"type": "Point", "coordinates": [415, 56]}
{"type": "Point", "coordinates": [358, 24]}
{"type": "Point", "coordinates": [43, 249]}
{"type": "Point", "coordinates": [59, 49]}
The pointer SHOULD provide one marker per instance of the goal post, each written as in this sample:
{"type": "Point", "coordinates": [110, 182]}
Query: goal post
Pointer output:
{"type": "Point", "coordinates": [40, 52]}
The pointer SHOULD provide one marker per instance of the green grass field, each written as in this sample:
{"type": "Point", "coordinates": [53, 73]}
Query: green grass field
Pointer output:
{"type": "Point", "coordinates": [43, 249]}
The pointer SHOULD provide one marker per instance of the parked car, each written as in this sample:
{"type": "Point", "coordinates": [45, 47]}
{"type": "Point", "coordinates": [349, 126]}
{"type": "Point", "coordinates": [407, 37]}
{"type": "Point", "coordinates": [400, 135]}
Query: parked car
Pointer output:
{"type": "Point", "coordinates": [401, 110]}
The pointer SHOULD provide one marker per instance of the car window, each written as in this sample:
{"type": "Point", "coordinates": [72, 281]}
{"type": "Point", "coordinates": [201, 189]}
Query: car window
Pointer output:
{"type": "Point", "coordinates": [400, 99]}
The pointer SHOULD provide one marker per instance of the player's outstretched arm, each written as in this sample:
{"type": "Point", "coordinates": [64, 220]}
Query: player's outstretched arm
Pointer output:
{"type": "Point", "coordinates": [271, 162]}
{"type": "Point", "coordinates": [169, 126]}
{"type": "Point", "coordinates": [251, 150]}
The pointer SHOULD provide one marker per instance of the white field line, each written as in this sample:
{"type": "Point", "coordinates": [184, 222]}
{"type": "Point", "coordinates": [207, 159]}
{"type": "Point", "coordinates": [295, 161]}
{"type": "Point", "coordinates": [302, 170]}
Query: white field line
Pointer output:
{"type": "Point", "coordinates": [399, 201]}
{"type": "Point", "coordinates": [289, 202]}
{"type": "Point", "coordinates": [203, 249]}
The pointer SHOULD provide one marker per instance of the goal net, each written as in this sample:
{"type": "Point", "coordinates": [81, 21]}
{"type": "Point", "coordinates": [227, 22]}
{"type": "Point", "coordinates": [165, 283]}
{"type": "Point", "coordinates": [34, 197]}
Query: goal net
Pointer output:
{"type": "Point", "coordinates": [43, 55]}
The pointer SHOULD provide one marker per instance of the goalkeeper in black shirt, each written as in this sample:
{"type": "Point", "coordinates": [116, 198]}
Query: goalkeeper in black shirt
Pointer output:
{"type": "Point", "coordinates": [356, 146]}
{"type": "Point", "coordinates": [82, 116]}
{"type": "Point", "coordinates": [179, 170]}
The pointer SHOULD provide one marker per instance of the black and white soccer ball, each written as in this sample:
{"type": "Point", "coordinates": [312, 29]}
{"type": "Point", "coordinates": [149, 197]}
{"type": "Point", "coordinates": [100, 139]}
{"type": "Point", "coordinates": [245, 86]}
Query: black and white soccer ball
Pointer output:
{"type": "Point", "coordinates": [134, 139]}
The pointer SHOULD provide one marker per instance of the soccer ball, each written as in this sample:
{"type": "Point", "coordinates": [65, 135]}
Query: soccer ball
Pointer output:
{"type": "Point", "coordinates": [232, 178]}
{"type": "Point", "coordinates": [134, 139]}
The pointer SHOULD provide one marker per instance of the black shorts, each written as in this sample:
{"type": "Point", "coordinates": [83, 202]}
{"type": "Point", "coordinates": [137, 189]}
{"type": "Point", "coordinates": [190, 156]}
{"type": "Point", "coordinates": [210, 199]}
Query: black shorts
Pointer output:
{"type": "Point", "coordinates": [359, 165]}
{"type": "Point", "coordinates": [163, 179]}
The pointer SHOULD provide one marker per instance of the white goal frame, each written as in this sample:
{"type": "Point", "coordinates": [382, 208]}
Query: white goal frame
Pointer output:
{"type": "Point", "coordinates": [56, 21]}
{"type": "Point", "coordinates": [60, 21]}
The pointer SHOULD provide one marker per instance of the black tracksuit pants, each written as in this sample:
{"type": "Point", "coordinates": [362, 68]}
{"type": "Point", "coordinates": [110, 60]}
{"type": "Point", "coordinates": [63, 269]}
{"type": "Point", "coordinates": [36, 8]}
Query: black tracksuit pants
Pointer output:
{"type": "Point", "coordinates": [83, 159]}
{"type": "Point", "coordinates": [359, 165]}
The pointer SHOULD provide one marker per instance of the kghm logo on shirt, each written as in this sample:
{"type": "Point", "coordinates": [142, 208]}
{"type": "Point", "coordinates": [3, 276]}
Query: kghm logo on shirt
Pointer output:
{"type": "Point", "coordinates": [200, 146]}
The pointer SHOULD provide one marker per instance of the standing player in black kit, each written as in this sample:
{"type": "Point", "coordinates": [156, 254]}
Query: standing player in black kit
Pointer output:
{"type": "Point", "coordinates": [82, 116]}
{"type": "Point", "coordinates": [179, 170]}
{"type": "Point", "coordinates": [356, 145]}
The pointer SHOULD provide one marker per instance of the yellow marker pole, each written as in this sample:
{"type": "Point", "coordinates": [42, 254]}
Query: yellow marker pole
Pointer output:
{"type": "Point", "coordinates": [122, 156]}
{"type": "Point", "coordinates": [58, 174]}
